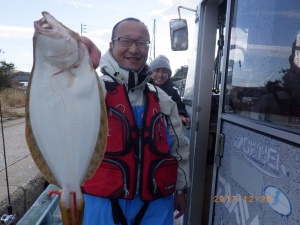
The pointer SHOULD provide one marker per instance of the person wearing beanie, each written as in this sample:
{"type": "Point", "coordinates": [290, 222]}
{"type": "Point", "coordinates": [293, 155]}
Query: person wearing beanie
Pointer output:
{"type": "Point", "coordinates": [161, 74]}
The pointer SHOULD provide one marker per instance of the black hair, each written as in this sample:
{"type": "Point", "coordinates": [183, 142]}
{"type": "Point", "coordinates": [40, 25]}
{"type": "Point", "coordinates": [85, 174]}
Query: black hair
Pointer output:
{"type": "Point", "coordinates": [127, 19]}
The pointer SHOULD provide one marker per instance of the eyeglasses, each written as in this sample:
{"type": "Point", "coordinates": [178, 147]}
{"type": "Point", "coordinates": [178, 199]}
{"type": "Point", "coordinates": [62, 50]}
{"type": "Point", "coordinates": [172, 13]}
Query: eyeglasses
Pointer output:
{"type": "Point", "coordinates": [127, 42]}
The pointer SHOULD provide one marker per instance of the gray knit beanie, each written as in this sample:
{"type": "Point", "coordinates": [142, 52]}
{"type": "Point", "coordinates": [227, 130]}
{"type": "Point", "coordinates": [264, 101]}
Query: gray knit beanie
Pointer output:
{"type": "Point", "coordinates": [161, 61]}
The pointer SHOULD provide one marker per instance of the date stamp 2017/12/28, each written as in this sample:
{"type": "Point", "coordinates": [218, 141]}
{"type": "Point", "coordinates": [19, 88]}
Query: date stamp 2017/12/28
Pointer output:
{"type": "Point", "coordinates": [237, 198]}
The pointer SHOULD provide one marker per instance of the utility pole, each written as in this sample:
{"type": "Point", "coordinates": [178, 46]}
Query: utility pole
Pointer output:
{"type": "Point", "coordinates": [83, 29]}
{"type": "Point", "coordinates": [154, 40]}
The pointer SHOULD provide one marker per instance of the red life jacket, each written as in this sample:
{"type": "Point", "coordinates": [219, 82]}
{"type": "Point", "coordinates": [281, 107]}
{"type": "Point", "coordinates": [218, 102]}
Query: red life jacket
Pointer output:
{"type": "Point", "coordinates": [137, 159]}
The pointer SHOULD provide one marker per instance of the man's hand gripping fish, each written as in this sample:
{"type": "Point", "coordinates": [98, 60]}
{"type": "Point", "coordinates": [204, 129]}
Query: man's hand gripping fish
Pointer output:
{"type": "Point", "coordinates": [66, 124]}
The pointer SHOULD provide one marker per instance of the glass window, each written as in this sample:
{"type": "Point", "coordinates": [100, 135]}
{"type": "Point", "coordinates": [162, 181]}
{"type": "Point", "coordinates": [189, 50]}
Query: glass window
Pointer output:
{"type": "Point", "coordinates": [263, 76]}
{"type": "Point", "coordinates": [188, 96]}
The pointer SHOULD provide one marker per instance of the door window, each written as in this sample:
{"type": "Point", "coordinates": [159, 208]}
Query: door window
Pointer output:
{"type": "Point", "coordinates": [263, 76]}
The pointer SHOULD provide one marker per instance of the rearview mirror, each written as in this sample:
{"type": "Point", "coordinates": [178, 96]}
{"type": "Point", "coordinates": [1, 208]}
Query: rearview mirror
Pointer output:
{"type": "Point", "coordinates": [179, 34]}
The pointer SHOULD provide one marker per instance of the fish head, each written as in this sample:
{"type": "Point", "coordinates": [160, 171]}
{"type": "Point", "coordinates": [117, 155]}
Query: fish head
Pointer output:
{"type": "Point", "coordinates": [61, 47]}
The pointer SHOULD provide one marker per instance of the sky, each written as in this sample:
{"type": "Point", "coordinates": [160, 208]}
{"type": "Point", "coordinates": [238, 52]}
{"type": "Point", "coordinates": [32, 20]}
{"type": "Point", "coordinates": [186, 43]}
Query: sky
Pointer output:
{"type": "Point", "coordinates": [94, 19]}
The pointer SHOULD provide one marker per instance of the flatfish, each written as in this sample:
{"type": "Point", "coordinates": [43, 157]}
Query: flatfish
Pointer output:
{"type": "Point", "coordinates": [66, 124]}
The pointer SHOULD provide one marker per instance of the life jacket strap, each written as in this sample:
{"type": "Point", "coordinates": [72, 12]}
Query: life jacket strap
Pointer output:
{"type": "Point", "coordinates": [119, 217]}
{"type": "Point", "coordinates": [141, 213]}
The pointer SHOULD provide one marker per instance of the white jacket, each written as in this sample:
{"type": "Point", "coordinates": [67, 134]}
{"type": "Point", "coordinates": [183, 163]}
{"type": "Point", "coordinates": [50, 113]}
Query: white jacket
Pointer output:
{"type": "Point", "coordinates": [180, 148]}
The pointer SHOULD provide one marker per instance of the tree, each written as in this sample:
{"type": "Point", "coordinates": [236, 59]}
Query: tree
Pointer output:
{"type": "Point", "coordinates": [179, 78]}
{"type": "Point", "coordinates": [180, 73]}
{"type": "Point", "coordinates": [6, 70]}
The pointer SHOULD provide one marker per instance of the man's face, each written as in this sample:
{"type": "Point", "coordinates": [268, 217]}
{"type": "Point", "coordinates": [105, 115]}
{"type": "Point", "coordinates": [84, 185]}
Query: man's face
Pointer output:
{"type": "Point", "coordinates": [160, 76]}
{"type": "Point", "coordinates": [133, 57]}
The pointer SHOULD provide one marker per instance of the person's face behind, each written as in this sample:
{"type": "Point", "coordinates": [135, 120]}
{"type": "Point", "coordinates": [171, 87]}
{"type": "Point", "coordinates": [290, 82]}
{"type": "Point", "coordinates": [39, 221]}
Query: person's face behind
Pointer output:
{"type": "Point", "coordinates": [133, 57]}
{"type": "Point", "coordinates": [160, 76]}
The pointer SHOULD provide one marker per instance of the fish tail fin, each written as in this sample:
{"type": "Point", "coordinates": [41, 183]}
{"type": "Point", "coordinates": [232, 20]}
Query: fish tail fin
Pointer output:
{"type": "Point", "coordinates": [72, 214]}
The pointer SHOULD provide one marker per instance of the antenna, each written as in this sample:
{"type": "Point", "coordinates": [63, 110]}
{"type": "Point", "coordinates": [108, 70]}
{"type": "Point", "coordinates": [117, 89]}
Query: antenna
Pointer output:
{"type": "Point", "coordinates": [183, 7]}
{"type": "Point", "coordinates": [7, 219]}
{"type": "Point", "coordinates": [153, 44]}
{"type": "Point", "coordinates": [154, 39]}
{"type": "Point", "coordinates": [82, 29]}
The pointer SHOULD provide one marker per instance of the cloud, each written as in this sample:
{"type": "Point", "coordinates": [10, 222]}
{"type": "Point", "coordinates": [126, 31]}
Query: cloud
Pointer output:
{"type": "Point", "coordinates": [158, 12]}
{"type": "Point", "coordinates": [100, 37]}
{"type": "Point", "coordinates": [118, 8]}
{"type": "Point", "coordinates": [175, 3]}
{"type": "Point", "coordinates": [27, 54]}
{"type": "Point", "coordinates": [166, 2]}
{"type": "Point", "coordinates": [16, 41]}
{"type": "Point", "coordinates": [171, 9]}
{"type": "Point", "coordinates": [78, 4]}
{"type": "Point", "coordinates": [12, 31]}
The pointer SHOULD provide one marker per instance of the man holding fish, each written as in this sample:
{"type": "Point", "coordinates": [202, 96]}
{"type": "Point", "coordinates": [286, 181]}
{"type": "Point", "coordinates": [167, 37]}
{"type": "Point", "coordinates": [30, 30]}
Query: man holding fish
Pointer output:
{"type": "Point", "coordinates": [118, 139]}
{"type": "Point", "coordinates": [144, 174]}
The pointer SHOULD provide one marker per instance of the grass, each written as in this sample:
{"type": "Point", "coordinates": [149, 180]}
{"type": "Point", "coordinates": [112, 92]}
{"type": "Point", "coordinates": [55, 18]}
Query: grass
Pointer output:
{"type": "Point", "coordinates": [12, 102]}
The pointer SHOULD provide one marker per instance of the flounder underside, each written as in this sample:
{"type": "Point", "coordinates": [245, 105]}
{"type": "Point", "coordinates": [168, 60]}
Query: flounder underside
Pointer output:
{"type": "Point", "coordinates": [66, 119]}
